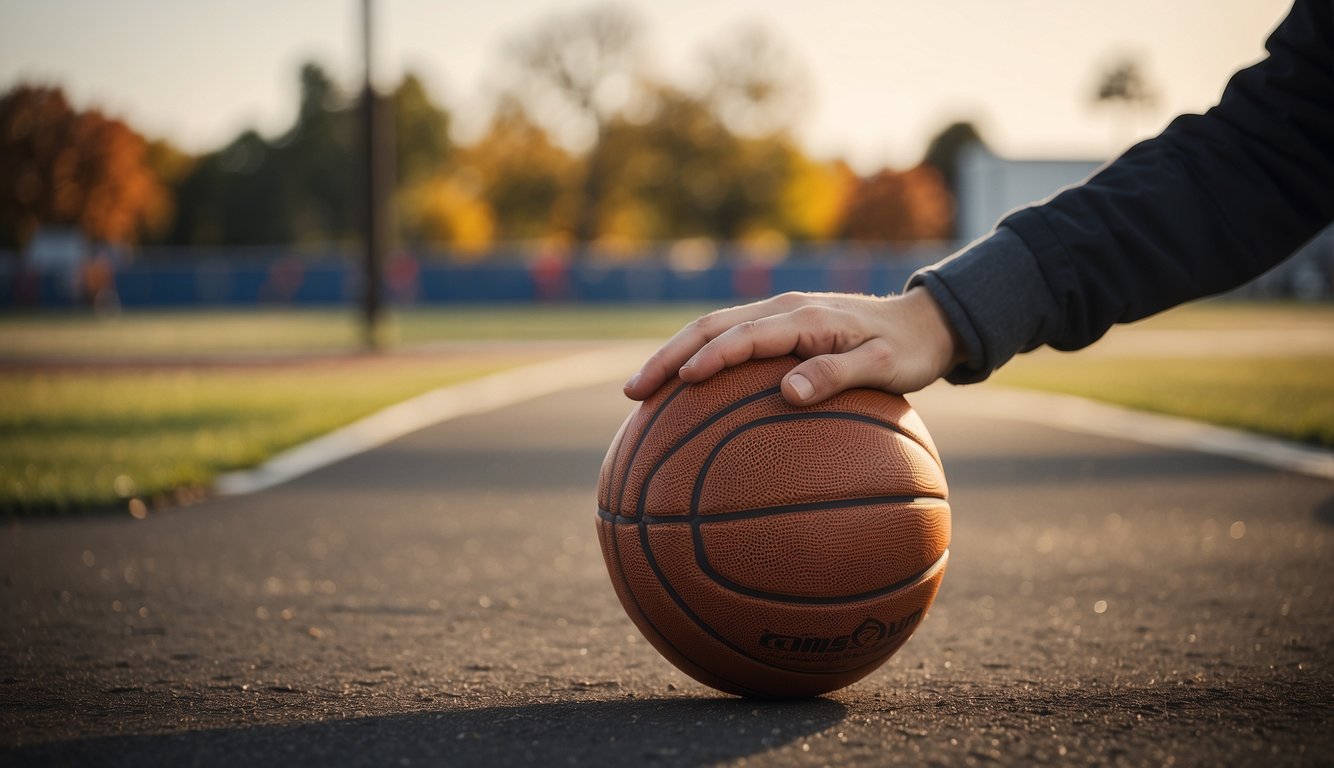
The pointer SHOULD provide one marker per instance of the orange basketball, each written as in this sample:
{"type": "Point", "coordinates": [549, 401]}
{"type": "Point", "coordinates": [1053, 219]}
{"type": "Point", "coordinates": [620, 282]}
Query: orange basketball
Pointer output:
{"type": "Point", "coordinates": [768, 550]}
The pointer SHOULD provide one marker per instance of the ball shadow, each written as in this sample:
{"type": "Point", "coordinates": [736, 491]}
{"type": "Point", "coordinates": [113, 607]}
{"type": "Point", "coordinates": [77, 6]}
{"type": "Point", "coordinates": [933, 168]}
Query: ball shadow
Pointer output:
{"type": "Point", "coordinates": [662, 732]}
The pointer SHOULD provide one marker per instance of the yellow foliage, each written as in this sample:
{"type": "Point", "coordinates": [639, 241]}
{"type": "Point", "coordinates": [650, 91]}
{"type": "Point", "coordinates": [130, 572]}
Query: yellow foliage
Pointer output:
{"type": "Point", "coordinates": [813, 199]}
{"type": "Point", "coordinates": [447, 209]}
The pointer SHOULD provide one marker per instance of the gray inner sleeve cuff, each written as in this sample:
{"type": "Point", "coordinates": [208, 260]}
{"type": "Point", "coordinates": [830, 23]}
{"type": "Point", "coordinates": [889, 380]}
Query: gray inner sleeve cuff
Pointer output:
{"type": "Point", "coordinates": [995, 296]}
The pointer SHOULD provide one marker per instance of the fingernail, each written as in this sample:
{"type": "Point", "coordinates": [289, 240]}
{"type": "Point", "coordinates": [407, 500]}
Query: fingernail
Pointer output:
{"type": "Point", "coordinates": [801, 385]}
{"type": "Point", "coordinates": [630, 384]}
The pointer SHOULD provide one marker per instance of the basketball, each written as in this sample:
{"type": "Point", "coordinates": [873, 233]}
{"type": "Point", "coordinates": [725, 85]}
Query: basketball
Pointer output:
{"type": "Point", "coordinates": [768, 550]}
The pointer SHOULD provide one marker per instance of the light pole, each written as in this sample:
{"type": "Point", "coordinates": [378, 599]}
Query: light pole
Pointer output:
{"type": "Point", "coordinates": [376, 228]}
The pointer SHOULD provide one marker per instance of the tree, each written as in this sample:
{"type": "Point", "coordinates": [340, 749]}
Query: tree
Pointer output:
{"type": "Point", "coordinates": [756, 85]}
{"type": "Point", "coordinates": [527, 180]}
{"type": "Point", "coordinates": [1122, 85]}
{"type": "Point", "coordinates": [298, 188]}
{"type": "Point", "coordinates": [943, 154]}
{"type": "Point", "coordinates": [945, 147]}
{"type": "Point", "coordinates": [899, 206]}
{"type": "Point", "coordinates": [68, 168]}
{"type": "Point", "coordinates": [814, 198]}
{"type": "Point", "coordinates": [421, 132]}
{"type": "Point", "coordinates": [171, 165]}
{"type": "Point", "coordinates": [682, 173]}
{"type": "Point", "coordinates": [317, 161]}
{"type": "Point", "coordinates": [576, 73]}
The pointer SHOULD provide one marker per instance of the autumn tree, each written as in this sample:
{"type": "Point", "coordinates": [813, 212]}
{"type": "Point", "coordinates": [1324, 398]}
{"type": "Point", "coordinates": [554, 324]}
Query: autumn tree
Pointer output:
{"type": "Point", "coordinates": [62, 167]}
{"type": "Point", "coordinates": [899, 206]}
{"type": "Point", "coordinates": [575, 73]}
{"type": "Point", "coordinates": [529, 181]}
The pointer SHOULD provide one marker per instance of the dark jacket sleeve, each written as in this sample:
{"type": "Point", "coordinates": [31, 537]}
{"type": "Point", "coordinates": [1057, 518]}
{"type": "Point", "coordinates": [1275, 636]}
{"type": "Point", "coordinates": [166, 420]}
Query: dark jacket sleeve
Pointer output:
{"type": "Point", "coordinates": [1213, 201]}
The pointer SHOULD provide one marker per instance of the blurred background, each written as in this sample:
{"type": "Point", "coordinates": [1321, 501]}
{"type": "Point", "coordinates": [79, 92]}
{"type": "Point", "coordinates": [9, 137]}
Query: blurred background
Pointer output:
{"type": "Point", "coordinates": [199, 200]}
{"type": "Point", "coordinates": [554, 151]}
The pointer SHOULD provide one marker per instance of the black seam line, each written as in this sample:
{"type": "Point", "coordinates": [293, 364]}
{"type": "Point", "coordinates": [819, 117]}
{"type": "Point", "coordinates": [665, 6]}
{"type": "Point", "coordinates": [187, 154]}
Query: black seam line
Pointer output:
{"type": "Point", "coordinates": [779, 597]}
{"type": "Point", "coordinates": [648, 555]}
{"type": "Point", "coordinates": [690, 613]}
{"type": "Point", "coordinates": [813, 506]}
{"type": "Point", "coordinates": [629, 590]}
{"type": "Point", "coordinates": [766, 420]}
{"type": "Point", "coordinates": [611, 530]}
{"type": "Point", "coordinates": [783, 509]}
{"type": "Point", "coordinates": [701, 558]}
{"type": "Point", "coordinates": [691, 435]}
{"type": "Point", "coordinates": [694, 617]}
{"type": "Point", "coordinates": [662, 579]}
{"type": "Point", "coordinates": [639, 441]}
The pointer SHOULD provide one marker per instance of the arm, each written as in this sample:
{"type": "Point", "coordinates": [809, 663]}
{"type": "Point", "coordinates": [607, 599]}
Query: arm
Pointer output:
{"type": "Point", "coordinates": [1212, 202]}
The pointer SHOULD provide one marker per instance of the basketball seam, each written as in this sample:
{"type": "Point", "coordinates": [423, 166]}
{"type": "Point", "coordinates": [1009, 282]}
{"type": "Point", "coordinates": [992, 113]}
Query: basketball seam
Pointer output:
{"type": "Point", "coordinates": [777, 419]}
{"type": "Point", "coordinates": [690, 614]}
{"type": "Point", "coordinates": [691, 435]}
{"type": "Point", "coordinates": [782, 509]}
{"type": "Point", "coordinates": [617, 519]}
{"type": "Point", "coordinates": [639, 442]}
{"type": "Point", "coordinates": [777, 597]}
{"type": "Point", "coordinates": [726, 583]}
{"type": "Point", "coordinates": [697, 537]}
{"type": "Point", "coordinates": [616, 546]}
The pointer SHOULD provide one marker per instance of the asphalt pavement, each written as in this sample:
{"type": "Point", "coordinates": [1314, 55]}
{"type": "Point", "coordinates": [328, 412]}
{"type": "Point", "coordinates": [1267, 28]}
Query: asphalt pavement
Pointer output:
{"type": "Point", "coordinates": [442, 600]}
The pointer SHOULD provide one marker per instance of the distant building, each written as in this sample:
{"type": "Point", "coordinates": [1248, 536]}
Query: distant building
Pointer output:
{"type": "Point", "coordinates": [988, 187]}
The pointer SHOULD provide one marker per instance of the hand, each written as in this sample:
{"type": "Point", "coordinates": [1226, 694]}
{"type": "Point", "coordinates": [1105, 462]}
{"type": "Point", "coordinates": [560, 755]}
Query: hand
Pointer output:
{"type": "Point", "coordinates": [898, 344]}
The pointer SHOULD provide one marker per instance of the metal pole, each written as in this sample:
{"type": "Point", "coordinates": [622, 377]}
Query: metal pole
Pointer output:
{"type": "Point", "coordinates": [374, 198]}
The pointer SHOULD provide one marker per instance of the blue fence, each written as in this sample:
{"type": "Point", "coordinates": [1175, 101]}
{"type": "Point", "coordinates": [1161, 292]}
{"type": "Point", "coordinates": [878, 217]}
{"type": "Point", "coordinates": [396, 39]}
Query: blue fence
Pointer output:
{"type": "Point", "coordinates": [408, 281]}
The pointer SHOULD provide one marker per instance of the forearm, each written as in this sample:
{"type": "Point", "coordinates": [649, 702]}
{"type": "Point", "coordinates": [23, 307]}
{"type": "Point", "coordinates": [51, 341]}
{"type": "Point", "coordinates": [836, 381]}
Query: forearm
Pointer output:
{"type": "Point", "coordinates": [1211, 203]}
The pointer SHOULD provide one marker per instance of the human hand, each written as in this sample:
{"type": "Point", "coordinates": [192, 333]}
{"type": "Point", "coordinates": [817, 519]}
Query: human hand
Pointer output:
{"type": "Point", "coordinates": [898, 344]}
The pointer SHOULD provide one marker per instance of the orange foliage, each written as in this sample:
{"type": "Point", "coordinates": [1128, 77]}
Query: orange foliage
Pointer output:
{"type": "Point", "coordinates": [70, 168]}
{"type": "Point", "coordinates": [899, 206]}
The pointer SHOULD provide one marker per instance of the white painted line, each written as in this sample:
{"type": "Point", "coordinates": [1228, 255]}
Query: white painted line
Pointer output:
{"type": "Point", "coordinates": [1080, 415]}
{"type": "Point", "coordinates": [481, 395]}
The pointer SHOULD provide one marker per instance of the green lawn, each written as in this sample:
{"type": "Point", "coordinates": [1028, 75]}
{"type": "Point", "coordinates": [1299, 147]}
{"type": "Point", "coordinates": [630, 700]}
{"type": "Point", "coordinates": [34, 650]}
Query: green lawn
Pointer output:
{"type": "Point", "coordinates": [1283, 385]}
{"type": "Point", "coordinates": [167, 334]}
{"type": "Point", "coordinates": [1291, 398]}
{"type": "Point", "coordinates": [74, 438]}
{"type": "Point", "coordinates": [78, 439]}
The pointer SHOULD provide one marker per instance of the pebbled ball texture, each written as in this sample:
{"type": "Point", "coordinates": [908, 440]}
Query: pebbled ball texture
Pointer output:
{"type": "Point", "coordinates": [768, 550]}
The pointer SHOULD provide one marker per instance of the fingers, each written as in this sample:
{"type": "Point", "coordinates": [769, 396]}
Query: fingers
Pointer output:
{"type": "Point", "coordinates": [807, 331]}
{"type": "Point", "coordinates": [823, 376]}
{"type": "Point", "coordinates": [667, 361]}
{"type": "Point", "coordinates": [899, 344]}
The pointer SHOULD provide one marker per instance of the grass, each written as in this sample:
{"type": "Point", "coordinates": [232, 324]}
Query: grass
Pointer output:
{"type": "Point", "coordinates": [1288, 397]}
{"type": "Point", "coordinates": [79, 439]}
{"type": "Point", "coordinates": [1265, 368]}
{"type": "Point", "coordinates": [83, 437]}
{"type": "Point", "coordinates": [168, 334]}
{"type": "Point", "coordinates": [100, 436]}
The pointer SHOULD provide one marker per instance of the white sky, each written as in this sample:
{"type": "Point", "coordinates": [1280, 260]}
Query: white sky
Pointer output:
{"type": "Point", "coordinates": [886, 74]}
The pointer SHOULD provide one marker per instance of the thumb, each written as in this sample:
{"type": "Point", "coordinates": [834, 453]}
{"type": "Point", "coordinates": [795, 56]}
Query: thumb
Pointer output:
{"type": "Point", "coordinates": [823, 376]}
{"type": "Point", "coordinates": [816, 380]}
